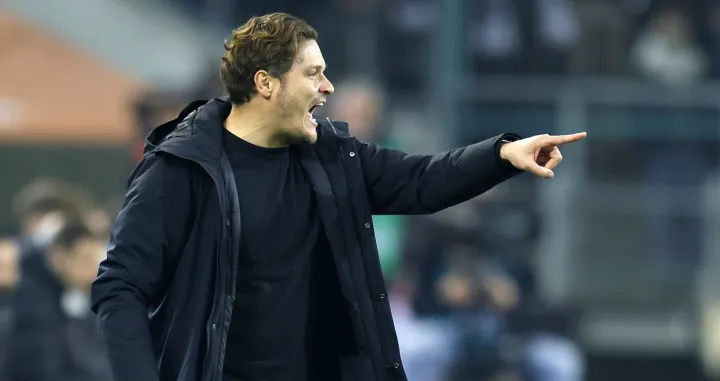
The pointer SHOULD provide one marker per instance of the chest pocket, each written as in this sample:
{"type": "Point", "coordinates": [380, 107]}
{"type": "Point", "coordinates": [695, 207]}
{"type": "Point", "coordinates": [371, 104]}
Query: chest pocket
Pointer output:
{"type": "Point", "coordinates": [346, 179]}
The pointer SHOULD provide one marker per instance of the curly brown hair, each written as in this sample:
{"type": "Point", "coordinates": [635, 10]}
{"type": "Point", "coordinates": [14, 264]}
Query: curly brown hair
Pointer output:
{"type": "Point", "coordinates": [269, 43]}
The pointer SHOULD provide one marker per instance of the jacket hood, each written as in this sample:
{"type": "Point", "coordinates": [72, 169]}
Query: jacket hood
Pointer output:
{"type": "Point", "coordinates": [161, 132]}
{"type": "Point", "coordinates": [195, 134]}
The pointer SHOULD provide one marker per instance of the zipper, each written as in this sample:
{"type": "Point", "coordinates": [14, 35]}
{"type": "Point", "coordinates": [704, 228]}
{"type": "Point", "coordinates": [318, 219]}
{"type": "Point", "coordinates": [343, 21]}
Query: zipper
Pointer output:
{"type": "Point", "coordinates": [233, 266]}
{"type": "Point", "coordinates": [354, 211]}
{"type": "Point", "coordinates": [208, 329]}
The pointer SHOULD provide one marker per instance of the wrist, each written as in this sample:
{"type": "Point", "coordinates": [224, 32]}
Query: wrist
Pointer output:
{"type": "Point", "coordinates": [503, 149]}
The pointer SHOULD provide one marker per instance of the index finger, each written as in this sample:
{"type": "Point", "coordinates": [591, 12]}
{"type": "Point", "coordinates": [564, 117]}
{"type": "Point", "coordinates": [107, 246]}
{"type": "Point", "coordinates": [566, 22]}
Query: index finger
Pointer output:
{"type": "Point", "coordinates": [565, 139]}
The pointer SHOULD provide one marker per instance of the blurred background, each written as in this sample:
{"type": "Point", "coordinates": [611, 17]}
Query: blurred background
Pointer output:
{"type": "Point", "coordinates": [609, 272]}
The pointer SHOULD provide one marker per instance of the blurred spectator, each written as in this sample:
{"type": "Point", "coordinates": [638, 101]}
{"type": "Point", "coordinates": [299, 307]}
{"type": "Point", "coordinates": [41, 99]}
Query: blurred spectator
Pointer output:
{"type": "Point", "coordinates": [667, 51]}
{"type": "Point", "coordinates": [44, 204]}
{"type": "Point", "coordinates": [604, 33]}
{"type": "Point", "coordinates": [8, 277]}
{"type": "Point", "coordinates": [557, 23]}
{"type": "Point", "coordinates": [8, 266]}
{"type": "Point", "coordinates": [473, 290]}
{"type": "Point", "coordinates": [359, 101]}
{"type": "Point", "coordinates": [44, 207]}
{"type": "Point", "coordinates": [558, 32]}
{"type": "Point", "coordinates": [456, 296]}
{"type": "Point", "coordinates": [408, 30]}
{"type": "Point", "coordinates": [479, 295]}
{"type": "Point", "coordinates": [54, 334]}
{"type": "Point", "coordinates": [496, 36]}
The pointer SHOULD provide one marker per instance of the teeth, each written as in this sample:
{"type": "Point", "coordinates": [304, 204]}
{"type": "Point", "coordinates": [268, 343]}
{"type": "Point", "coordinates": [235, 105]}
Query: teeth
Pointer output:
{"type": "Point", "coordinates": [313, 108]}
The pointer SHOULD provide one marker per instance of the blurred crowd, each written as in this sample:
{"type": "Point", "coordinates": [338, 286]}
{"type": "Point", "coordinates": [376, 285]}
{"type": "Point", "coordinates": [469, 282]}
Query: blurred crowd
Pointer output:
{"type": "Point", "coordinates": [463, 282]}
{"type": "Point", "coordinates": [47, 331]}
{"type": "Point", "coordinates": [670, 41]}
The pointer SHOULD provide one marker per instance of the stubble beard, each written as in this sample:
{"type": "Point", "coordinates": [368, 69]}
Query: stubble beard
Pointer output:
{"type": "Point", "coordinates": [289, 109]}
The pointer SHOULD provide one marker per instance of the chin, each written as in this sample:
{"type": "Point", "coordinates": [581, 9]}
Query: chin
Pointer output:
{"type": "Point", "coordinates": [310, 136]}
{"type": "Point", "coordinates": [302, 136]}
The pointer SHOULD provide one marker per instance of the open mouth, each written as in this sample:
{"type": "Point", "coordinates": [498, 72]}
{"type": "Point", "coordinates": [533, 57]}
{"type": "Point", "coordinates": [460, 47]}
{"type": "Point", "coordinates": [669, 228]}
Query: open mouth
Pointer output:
{"type": "Point", "coordinates": [311, 110]}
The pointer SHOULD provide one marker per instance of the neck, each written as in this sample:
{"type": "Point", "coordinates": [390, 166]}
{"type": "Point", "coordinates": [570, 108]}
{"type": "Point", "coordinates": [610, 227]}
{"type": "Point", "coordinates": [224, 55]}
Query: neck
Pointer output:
{"type": "Point", "coordinates": [251, 123]}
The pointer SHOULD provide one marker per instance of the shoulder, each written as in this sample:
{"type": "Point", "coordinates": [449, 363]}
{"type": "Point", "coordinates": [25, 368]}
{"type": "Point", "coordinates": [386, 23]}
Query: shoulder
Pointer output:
{"type": "Point", "coordinates": [166, 175]}
{"type": "Point", "coordinates": [163, 163]}
{"type": "Point", "coordinates": [158, 165]}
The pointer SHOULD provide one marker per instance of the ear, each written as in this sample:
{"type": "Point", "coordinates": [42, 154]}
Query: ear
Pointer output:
{"type": "Point", "coordinates": [264, 83]}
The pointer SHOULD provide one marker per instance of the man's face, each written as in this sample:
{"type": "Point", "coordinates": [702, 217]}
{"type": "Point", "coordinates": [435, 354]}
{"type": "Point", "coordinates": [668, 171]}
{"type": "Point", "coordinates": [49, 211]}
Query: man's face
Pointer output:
{"type": "Point", "coordinates": [302, 89]}
{"type": "Point", "coordinates": [78, 266]}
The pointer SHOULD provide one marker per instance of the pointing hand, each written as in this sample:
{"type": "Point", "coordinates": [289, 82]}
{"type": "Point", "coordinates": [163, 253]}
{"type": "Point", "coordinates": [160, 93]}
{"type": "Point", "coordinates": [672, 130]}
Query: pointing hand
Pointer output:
{"type": "Point", "coordinates": [538, 154]}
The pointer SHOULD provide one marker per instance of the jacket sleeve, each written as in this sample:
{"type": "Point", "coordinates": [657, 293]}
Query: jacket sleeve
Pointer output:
{"type": "Point", "coordinates": [145, 240]}
{"type": "Point", "coordinates": [398, 183]}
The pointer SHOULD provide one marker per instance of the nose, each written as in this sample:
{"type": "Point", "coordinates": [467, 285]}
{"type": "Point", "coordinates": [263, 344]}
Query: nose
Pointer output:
{"type": "Point", "coordinates": [327, 87]}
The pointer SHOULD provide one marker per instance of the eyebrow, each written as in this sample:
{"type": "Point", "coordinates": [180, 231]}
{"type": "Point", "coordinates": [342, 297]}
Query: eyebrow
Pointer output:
{"type": "Point", "coordinates": [319, 67]}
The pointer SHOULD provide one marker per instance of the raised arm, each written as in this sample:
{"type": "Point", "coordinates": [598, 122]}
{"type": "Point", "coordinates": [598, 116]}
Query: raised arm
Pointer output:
{"type": "Point", "coordinates": [398, 183]}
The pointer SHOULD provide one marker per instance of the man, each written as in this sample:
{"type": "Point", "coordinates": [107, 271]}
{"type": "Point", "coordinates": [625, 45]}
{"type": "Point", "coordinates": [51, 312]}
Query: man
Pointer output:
{"type": "Point", "coordinates": [54, 335]}
{"type": "Point", "coordinates": [245, 249]}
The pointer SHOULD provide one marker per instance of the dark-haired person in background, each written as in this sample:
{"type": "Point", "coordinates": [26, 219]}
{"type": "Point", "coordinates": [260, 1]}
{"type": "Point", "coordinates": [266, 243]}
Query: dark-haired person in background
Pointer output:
{"type": "Point", "coordinates": [42, 207]}
{"type": "Point", "coordinates": [54, 336]}
{"type": "Point", "coordinates": [247, 232]}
